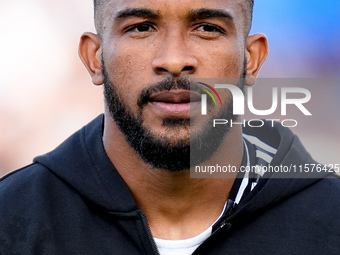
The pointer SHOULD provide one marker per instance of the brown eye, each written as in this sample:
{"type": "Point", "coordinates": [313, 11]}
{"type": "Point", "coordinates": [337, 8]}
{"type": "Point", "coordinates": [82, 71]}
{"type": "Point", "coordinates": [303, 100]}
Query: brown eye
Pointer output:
{"type": "Point", "coordinates": [144, 27]}
{"type": "Point", "coordinates": [209, 28]}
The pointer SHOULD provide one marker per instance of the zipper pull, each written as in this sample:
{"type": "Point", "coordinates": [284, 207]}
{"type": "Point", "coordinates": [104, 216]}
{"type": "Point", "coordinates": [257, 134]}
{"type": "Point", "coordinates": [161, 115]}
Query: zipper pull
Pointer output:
{"type": "Point", "coordinates": [226, 225]}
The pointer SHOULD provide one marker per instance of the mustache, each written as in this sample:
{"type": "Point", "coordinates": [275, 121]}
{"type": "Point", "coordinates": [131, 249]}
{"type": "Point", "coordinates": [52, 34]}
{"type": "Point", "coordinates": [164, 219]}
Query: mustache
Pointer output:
{"type": "Point", "coordinates": [169, 83]}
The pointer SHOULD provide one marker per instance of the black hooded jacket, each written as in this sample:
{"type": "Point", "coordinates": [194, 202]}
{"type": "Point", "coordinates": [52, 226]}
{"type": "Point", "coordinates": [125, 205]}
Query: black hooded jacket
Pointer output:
{"type": "Point", "coordinates": [73, 201]}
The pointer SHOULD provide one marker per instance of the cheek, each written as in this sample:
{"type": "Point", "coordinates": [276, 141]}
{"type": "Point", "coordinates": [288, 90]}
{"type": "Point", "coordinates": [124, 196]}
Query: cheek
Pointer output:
{"type": "Point", "coordinates": [127, 70]}
{"type": "Point", "coordinates": [219, 60]}
{"type": "Point", "coordinates": [227, 65]}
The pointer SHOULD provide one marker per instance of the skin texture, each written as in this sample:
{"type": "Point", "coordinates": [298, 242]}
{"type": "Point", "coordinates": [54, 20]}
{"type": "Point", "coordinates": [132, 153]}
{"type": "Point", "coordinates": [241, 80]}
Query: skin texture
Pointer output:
{"type": "Point", "coordinates": [174, 41]}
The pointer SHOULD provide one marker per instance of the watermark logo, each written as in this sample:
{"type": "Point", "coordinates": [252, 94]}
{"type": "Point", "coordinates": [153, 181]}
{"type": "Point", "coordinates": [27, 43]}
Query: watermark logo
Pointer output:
{"type": "Point", "coordinates": [204, 97]}
{"type": "Point", "coordinates": [239, 99]}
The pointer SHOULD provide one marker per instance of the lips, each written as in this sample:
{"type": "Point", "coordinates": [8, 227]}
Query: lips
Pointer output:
{"type": "Point", "coordinates": [175, 102]}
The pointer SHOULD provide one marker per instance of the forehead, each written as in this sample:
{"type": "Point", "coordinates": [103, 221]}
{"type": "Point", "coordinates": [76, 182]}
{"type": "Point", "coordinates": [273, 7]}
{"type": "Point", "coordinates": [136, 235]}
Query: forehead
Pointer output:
{"type": "Point", "coordinates": [119, 4]}
{"type": "Point", "coordinates": [238, 9]}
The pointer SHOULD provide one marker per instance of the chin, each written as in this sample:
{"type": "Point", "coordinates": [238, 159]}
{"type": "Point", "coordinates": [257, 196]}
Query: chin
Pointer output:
{"type": "Point", "coordinates": [174, 136]}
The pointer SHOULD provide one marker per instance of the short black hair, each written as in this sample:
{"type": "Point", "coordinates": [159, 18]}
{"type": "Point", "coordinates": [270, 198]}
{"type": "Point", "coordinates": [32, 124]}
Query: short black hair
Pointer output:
{"type": "Point", "coordinates": [97, 6]}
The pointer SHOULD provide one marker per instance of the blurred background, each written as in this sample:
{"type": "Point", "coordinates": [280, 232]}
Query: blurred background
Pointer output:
{"type": "Point", "coordinates": [46, 94]}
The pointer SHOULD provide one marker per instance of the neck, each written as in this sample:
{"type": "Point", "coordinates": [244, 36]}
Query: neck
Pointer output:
{"type": "Point", "coordinates": [176, 206]}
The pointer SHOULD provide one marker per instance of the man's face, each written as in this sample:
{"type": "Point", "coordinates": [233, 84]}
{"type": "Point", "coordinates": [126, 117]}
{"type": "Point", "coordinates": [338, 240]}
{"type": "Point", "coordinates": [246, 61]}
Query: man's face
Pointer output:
{"type": "Point", "coordinates": [153, 49]}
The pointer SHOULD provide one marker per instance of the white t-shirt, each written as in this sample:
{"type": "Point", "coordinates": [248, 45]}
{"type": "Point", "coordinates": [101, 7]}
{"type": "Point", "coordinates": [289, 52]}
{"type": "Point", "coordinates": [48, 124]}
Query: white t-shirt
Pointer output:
{"type": "Point", "coordinates": [182, 247]}
{"type": "Point", "coordinates": [185, 246]}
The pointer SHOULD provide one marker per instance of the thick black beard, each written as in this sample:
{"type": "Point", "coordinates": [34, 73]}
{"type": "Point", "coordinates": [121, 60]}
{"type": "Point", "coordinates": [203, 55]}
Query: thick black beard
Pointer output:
{"type": "Point", "coordinates": [161, 152]}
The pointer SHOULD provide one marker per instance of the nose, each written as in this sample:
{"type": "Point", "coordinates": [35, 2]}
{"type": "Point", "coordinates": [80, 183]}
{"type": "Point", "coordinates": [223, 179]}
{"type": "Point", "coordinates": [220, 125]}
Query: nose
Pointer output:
{"type": "Point", "coordinates": [174, 57]}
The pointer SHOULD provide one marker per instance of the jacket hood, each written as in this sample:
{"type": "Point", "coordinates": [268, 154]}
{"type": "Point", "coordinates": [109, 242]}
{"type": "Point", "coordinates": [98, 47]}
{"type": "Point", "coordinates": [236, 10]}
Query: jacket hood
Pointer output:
{"type": "Point", "coordinates": [82, 163]}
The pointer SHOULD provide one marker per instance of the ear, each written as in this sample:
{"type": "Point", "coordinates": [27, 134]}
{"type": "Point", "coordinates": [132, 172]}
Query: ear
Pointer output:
{"type": "Point", "coordinates": [90, 54]}
{"type": "Point", "coordinates": [256, 54]}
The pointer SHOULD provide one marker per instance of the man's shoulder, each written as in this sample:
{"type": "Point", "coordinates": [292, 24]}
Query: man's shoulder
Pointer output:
{"type": "Point", "coordinates": [327, 189]}
{"type": "Point", "coordinates": [69, 159]}
{"type": "Point", "coordinates": [26, 186]}
{"type": "Point", "coordinates": [29, 175]}
{"type": "Point", "coordinates": [316, 206]}
{"type": "Point", "coordinates": [316, 200]}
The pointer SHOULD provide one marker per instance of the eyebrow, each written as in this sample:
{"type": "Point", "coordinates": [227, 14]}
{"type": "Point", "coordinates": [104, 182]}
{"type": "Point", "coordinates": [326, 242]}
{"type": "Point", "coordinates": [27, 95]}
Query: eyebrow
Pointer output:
{"type": "Point", "coordinates": [136, 12]}
{"type": "Point", "coordinates": [210, 13]}
{"type": "Point", "coordinates": [193, 14]}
